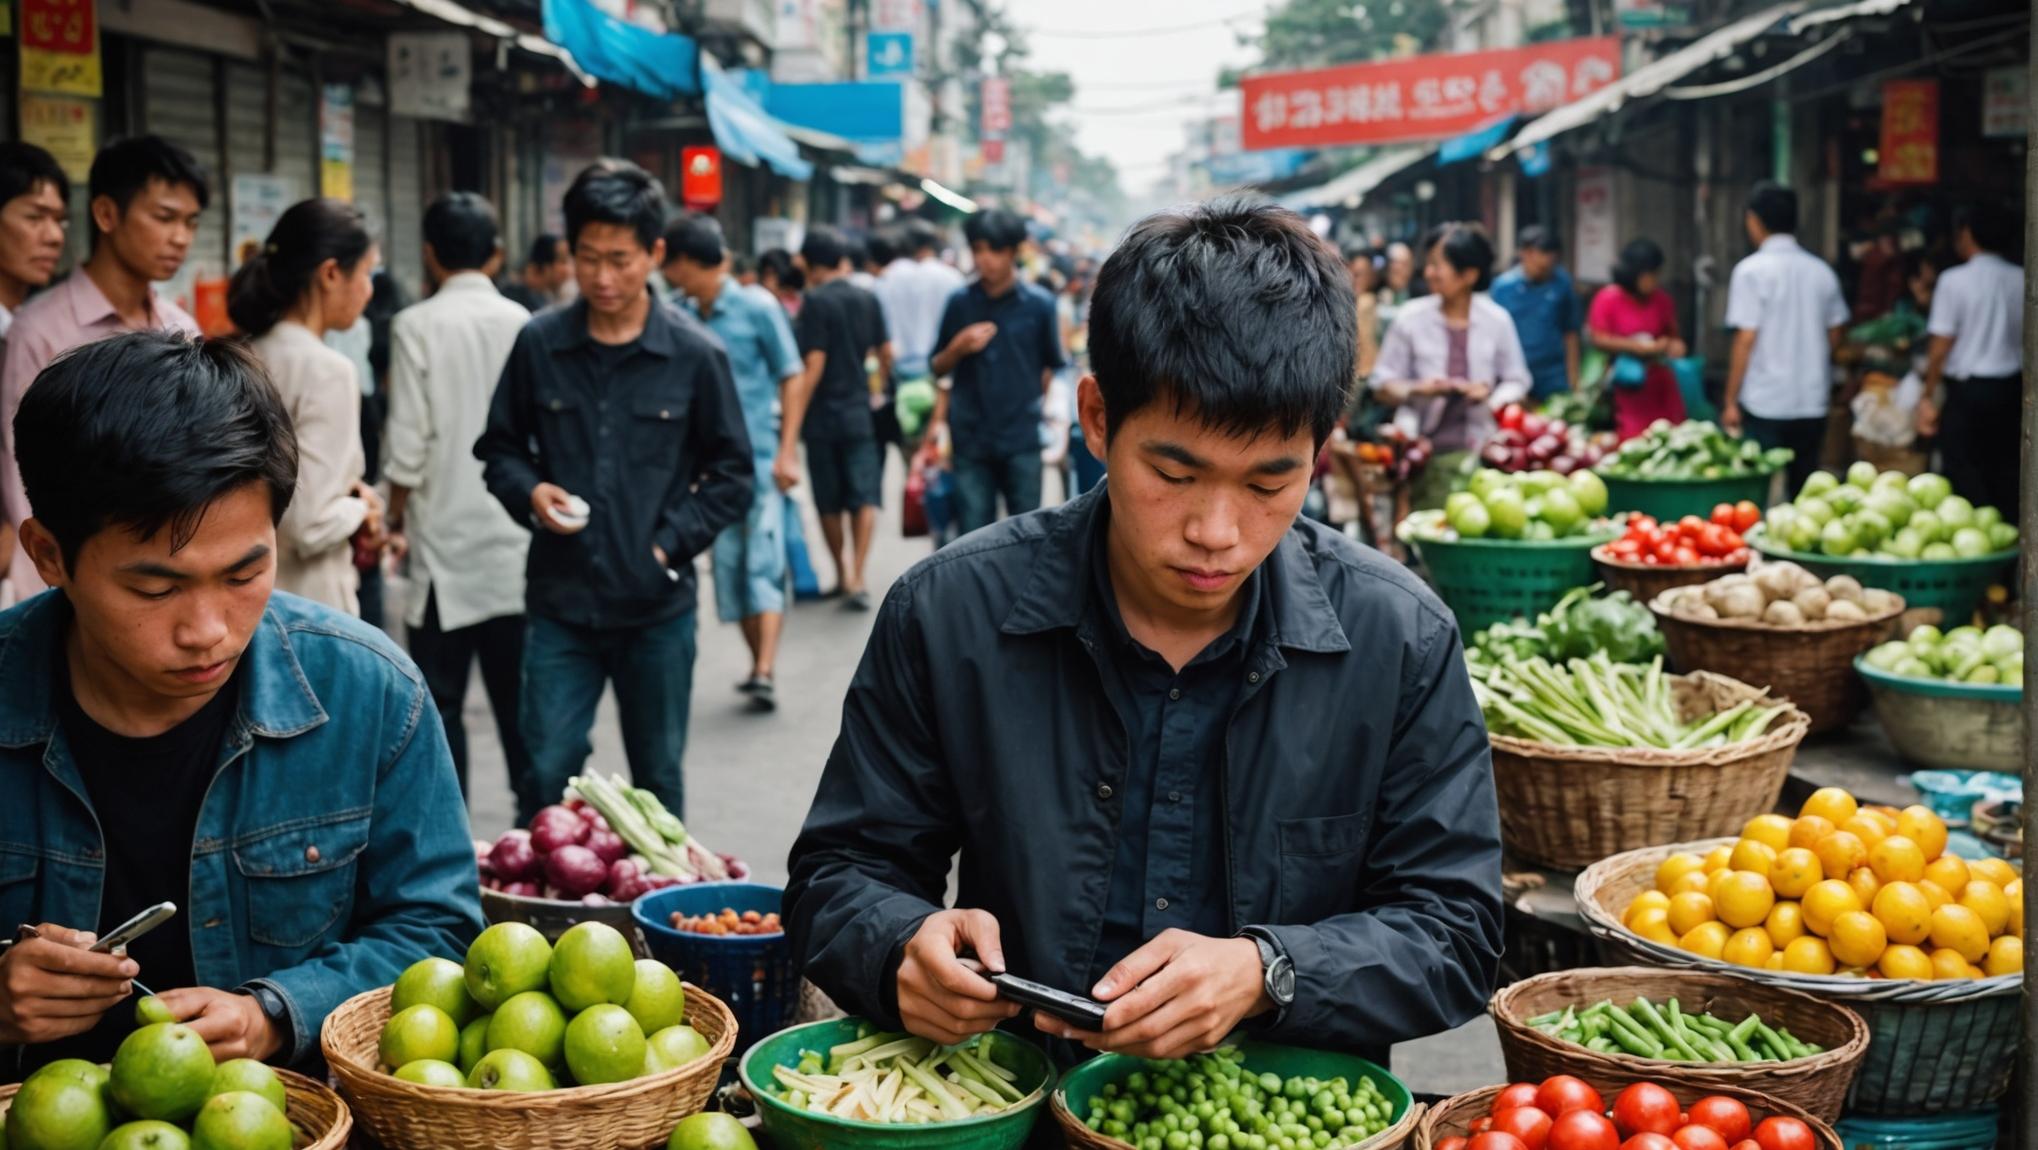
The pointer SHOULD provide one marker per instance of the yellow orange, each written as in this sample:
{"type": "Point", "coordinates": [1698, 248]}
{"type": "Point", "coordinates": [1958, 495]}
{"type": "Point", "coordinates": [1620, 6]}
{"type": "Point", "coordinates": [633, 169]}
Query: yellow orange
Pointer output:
{"type": "Point", "coordinates": [1994, 870]}
{"type": "Point", "coordinates": [1775, 961]}
{"type": "Point", "coordinates": [1869, 830]}
{"type": "Point", "coordinates": [1785, 923]}
{"type": "Point", "coordinates": [1697, 880]}
{"type": "Point", "coordinates": [1904, 911]}
{"type": "Point", "coordinates": [1865, 884]}
{"type": "Point", "coordinates": [1830, 803]}
{"type": "Point", "coordinates": [1716, 858]}
{"type": "Point", "coordinates": [1654, 925]}
{"type": "Point", "coordinates": [1690, 910]}
{"type": "Point", "coordinates": [1934, 893]}
{"type": "Point", "coordinates": [1948, 965]}
{"type": "Point", "coordinates": [1902, 961]}
{"type": "Point", "coordinates": [1840, 852]}
{"type": "Point", "coordinates": [1825, 902]}
{"type": "Point", "coordinates": [1748, 947]}
{"type": "Point", "coordinates": [1808, 830]}
{"type": "Point", "coordinates": [1643, 901]}
{"type": "Point", "coordinates": [2015, 893]}
{"type": "Point", "coordinates": [1772, 831]}
{"type": "Point", "coordinates": [1744, 899]}
{"type": "Point", "coordinates": [1794, 872]}
{"type": "Point", "coordinates": [1718, 882]}
{"type": "Point", "coordinates": [1918, 824]}
{"type": "Point", "coordinates": [1956, 928]}
{"type": "Point", "coordinates": [1987, 900]}
{"type": "Point", "coordinates": [2005, 956]}
{"type": "Point", "coordinates": [1885, 816]}
{"type": "Point", "coordinates": [1950, 872]}
{"type": "Point", "coordinates": [1858, 939]}
{"type": "Point", "coordinates": [1676, 866]}
{"type": "Point", "coordinates": [1897, 859]}
{"type": "Point", "coordinates": [1753, 855]}
{"type": "Point", "coordinates": [1706, 940]}
{"type": "Point", "coordinates": [1808, 955]}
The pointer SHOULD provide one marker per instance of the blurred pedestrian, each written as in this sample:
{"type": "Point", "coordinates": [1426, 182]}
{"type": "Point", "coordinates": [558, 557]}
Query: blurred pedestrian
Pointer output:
{"type": "Point", "coordinates": [780, 275]}
{"type": "Point", "coordinates": [547, 275]}
{"type": "Point", "coordinates": [1001, 345]}
{"type": "Point", "coordinates": [1788, 316]}
{"type": "Point", "coordinates": [1635, 321]}
{"type": "Point", "coordinates": [1539, 294]}
{"type": "Point", "coordinates": [1361, 264]}
{"type": "Point", "coordinates": [616, 431]}
{"type": "Point", "coordinates": [1977, 352]}
{"type": "Point", "coordinates": [914, 293]}
{"type": "Point", "coordinates": [764, 361]}
{"type": "Point", "coordinates": [743, 270]}
{"type": "Point", "coordinates": [863, 269]}
{"type": "Point", "coordinates": [146, 196]}
{"type": "Point", "coordinates": [35, 212]}
{"type": "Point", "coordinates": [466, 554]}
{"type": "Point", "coordinates": [312, 276]}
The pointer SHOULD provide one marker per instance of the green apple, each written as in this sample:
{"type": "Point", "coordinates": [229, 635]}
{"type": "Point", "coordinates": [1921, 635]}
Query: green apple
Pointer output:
{"type": "Point", "coordinates": [531, 1022]}
{"type": "Point", "coordinates": [239, 1120]}
{"type": "Point", "coordinates": [510, 1070]}
{"type": "Point", "coordinates": [592, 965]}
{"type": "Point", "coordinates": [432, 1072]}
{"type": "Point", "coordinates": [435, 982]}
{"type": "Point", "coordinates": [659, 999]}
{"type": "Point", "coordinates": [147, 1134]}
{"type": "Point", "coordinates": [710, 1131]}
{"type": "Point", "coordinates": [1590, 492]}
{"type": "Point", "coordinates": [253, 1077]}
{"type": "Point", "coordinates": [508, 959]}
{"type": "Point", "coordinates": [604, 1044]}
{"type": "Point", "coordinates": [1509, 513]}
{"type": "Point", "coordinates": [473, 1043]}
{"type": "Point", "coordinates": [673, 1047]}
{"type": "Point", "coordinates": [419, 1032]}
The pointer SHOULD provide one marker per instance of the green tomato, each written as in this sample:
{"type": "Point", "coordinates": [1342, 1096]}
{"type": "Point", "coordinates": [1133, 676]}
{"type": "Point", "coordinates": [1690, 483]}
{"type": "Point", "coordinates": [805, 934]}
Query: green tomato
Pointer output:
{"type": "Point", "coordinates": [1846, 499]}
{"type": "Point", "coordinates": [1817, 512]}
{"type": "Point", "coordinates": [1470, 520]}
{"type": "Point", "coordinates": [1929, 490]}
{"type": "Point", "coordinates": [1886, 655]}
{"type": "Point", "coordinates": [1935, 552]}
{"type": "Point", "coordinates": [1955, 511]}
{"type": "Point", "coordinates": [1837, 538]}
{"type": "Point", "coordinates": [1539, 530]}
{"type": "Point", "coordinates": [2002, 537]}
{"type": "Point", "coordinates": [2001, 641]}
{"type": "Point", "coordinates": [1970, 542]}
{"type": "Point", "coordinates": [1985, 673]}
{"type": "Point", "coordinates": [1967, 633]}
{"type": "Point", "coordinates": [1804, 534]}
{"type": "Point", "coordinates": [1486, 481]}
{"type": "Point", "coordinates": [1508, 513]}
{"type": "Point", "coordinates": [1987, 517]}
{"type": "Point", "coordinates": [1905, 544]}
{"type": "Point", "coordinates": [1912, 668]}
{"type": "Point", "coordinates": [1927, 634]}
{"type": "Point", "coordinates": [1818, 483]}
{"type": "Point", "coordinates": [1862, 474]}
{"type": "Point", "coordinates": [1590, 492]}
{"type": "Point", "coordinates": [2011, 668]}
{"type": "Point", "coordinates": [1869, 527]}
{"type": "Point", "coordinates": [1890, 481]}
{"type": "Point", "coordinates": [1537, 482]}
{"type": "Point", "coordinates": [1892, 505]}
{"type": "Point", "coordinates": [1928, 525]}
{"type": "Point", "coordinates": [1561, 510]}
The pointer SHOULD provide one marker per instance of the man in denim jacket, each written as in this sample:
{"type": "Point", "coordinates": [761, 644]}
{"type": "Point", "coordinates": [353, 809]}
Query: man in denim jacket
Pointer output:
{"type": "Point", "coordinates": [170, 730]}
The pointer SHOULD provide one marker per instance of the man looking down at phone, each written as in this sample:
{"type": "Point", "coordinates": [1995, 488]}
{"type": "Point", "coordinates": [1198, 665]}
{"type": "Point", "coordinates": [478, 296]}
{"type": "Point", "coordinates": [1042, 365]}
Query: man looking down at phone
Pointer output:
{"type": "Point", "coordinates": [1204, 761]}
{"type": "Point", "coordinates": [170, 730]}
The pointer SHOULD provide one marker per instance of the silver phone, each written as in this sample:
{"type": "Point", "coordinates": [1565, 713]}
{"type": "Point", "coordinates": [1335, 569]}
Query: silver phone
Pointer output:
{"type": "Point", "coordinates": [136, 927]}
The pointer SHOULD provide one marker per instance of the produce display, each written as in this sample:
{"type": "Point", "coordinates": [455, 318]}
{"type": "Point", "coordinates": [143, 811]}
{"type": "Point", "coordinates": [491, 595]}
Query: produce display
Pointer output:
{"type": "Point", "coordinates": [1692, 450]}
{"type": "Point", "coordinates": [900, 1079]}
{"type": "Point", "coordinates": [607, 843]}
{"type": "Point", "coordinates": [1781, 595]}
{"type": "Point", "coordinates": [1651, 1030]}
{"type": "Point", "coordinates": [524, 1015]}
{"type": "Point", "coordinates": [1213, 1102]}
{"type": "Point", "coordinates": [1528, 441]}
{"type": "Point", "coordinates": [1527, 505]}
{"type": "Point", "coordinates": [1887, 514]}
{"type": "Point", "coordinates": [163, 1091]}
{"type": "Point", "coordinates": [728, 922]}
{"type": "Point", "coordinates": [1841, 889]}
{"type": "Point", "coordinates": [1962, 655]}
{"type": "Point", "coordinates": [1581, 623]}
{"type": "Point", "coordinates": [1566, 1113]}
{"type": "Point", "coordinates": [1597, 702]}
{"type": "Point", "coordinates": [1689, 541]}
{"type": "Point", "coordinates": [1397, 452]}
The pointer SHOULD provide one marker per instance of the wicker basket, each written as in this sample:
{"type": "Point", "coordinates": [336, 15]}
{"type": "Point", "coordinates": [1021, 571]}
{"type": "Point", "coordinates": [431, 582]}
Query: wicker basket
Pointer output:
{"type": "Point", "coordinates": [1933, 1046]}
{"type": "Point", "coordinates": [1565, 806]}
{"type": "Point", "coordinates": [619, 1116]}
{"type": "Point", "coordinates": [318, 1119]}
{"type": "Point", "coordinates": [1817, 1084]}
{"type": "Point", "coordinates": [1454, 1117]}
{"type": "Point", "coordinates": [1812, 665]}
{"type": "Point", "coordinates": [1957, 726]}
{"type": "Point", "coordinates": [1645, 581]}
{"type": "Point", "coordinates": [553, 917]}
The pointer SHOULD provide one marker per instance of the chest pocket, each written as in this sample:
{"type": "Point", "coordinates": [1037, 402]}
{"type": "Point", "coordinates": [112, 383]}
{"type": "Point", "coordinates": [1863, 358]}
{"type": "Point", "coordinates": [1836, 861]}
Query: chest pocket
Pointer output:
{"type": "Point", "coordinates": [300, 880]}
{"type": "Point", "coordinates": [17, 886]}
{"type": "Point", "coordinates": [1320, 861]}
{"type": "Point", "coordinates": [657, 429]}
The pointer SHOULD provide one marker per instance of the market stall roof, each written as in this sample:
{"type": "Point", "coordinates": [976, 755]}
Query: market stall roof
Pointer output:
{"type": "Point", "coordinates": [461, 16]}
{"type": "Point", "coordinates": [1859, 9]}
{"type": "Point", "coordinates": [1355, 183]}
{"type": "Point", "coordinates": [947, 195]}
{"type": "Point", "coordinates": [745, 132]}
{"type": "Point", "coordinates": [815, 138]}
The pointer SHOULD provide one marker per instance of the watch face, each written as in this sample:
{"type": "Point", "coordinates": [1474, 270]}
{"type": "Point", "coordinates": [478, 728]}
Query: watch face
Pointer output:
{"type": "Point", "coordinates": [1282, 977]}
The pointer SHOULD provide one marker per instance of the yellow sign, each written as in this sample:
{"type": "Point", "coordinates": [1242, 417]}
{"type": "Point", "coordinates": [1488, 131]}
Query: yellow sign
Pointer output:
{"type": "Point", "coordinates": [336, 179]}
{"type": "Point", "coordinates": [64, 126]}
{"type": "Point", "coordinates": [60, 47]}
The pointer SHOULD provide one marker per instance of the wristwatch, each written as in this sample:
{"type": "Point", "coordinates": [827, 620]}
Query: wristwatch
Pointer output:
{"type": "Point", "coordinates": [275, 1010]}
{"type": "Point", "coordinates": [1278, 975]}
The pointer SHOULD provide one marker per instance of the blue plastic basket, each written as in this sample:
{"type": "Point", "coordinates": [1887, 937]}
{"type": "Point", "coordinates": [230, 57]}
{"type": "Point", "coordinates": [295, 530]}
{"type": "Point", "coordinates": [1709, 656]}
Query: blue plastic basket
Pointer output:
{"type": "Point", "coordinates": [754, 974]}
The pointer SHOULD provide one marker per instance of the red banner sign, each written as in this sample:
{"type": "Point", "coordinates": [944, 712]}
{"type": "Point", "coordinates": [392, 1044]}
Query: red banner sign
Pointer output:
{"type": "Point", "coordinates": [1910, 132]}
{"type": "Point", "coordinates": [700, 178]}
{"type": "Point", "coordinates": [1423, 97]}
{"type": "Point", "coordinates": [59, 47]}
{"type": "Point", "coordinates": [997, 109]}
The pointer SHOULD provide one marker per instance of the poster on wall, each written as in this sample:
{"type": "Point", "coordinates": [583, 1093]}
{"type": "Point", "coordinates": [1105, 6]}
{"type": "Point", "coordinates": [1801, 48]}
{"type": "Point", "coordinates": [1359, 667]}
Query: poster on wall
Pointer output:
{"type": "Point", "coordinates": [1910, 133]}
{"type": "Point", "coordinates": [431, 75]}
{"type": "Point", "coordinates": [1595, 242]}
{"type": "Point", "coordinates": [65, 127]}
{"type": "Point", "coordinates": [336, 141]}
{"type": "Point", "coordinates": [2005, 96]}
{"type": "Point", "coordinates": [257, 202]}
{"type": "Point", "coordinates": [60, 47]}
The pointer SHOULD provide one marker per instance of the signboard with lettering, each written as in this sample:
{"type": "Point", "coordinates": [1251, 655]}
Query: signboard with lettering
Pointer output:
{"type": "Point", "coordinates": [60, 47]}
{"type": "Point", "coordinates": [888, 55]}
{"type": "Point", "coordinates": [336, 141]}
{"type": "Point", "coordinates": [64, 126]}
{"type": "Point", "coordinates": [1423, 97]}
{"type": "Point", "coordinates": [430, 75]}
{"type": "Point", "coordinates": [2005, 95]}
{"type": "Point", "coordinates": [1910, 133]}
{"type": "Point", "coordinates": [997, 107]}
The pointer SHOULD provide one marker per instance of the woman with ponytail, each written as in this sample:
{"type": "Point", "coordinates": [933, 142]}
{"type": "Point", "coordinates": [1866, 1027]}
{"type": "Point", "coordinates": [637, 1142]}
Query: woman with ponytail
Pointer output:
{"type": "Point", "coordinates": [314, 274]}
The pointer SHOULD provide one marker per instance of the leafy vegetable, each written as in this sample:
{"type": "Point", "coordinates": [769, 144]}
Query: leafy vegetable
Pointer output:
{"type": "Point", "coordinates": [1692, 450]}
{"type": "Point", "coordinates": [1575, 628]}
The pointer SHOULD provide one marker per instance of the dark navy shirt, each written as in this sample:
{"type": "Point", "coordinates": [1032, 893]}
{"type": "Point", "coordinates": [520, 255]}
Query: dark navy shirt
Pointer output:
{"type": "Point", "coordinates": [994, 408]}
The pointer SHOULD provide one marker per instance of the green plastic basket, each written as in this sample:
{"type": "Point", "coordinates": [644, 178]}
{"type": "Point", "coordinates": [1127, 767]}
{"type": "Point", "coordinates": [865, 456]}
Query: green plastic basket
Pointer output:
{"type": "Point", "coordinates": [1668, 499]}
{"type": "Point", "coordinates": [1953, 726]}
{"type": "Point", "coordinates": [1081, 1084]}
{"type": "Point", "coordinates": [1954, 586]}
{"type": "Point", "coordinates": [792, 1129]}
{"type": "Point", "coordinates": [1487, 581]}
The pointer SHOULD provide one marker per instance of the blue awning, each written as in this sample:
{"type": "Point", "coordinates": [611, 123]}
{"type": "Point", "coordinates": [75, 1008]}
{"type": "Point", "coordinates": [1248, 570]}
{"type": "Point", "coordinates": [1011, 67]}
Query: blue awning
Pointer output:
{"type": "Point", "coordinates": [744, 131]}
{"type": "Point", "coordinates": [866, 112]}
{"type": "Point", "coordinates": [1476, 142]}
{"type": "Point", "coordinates": [660, 64]}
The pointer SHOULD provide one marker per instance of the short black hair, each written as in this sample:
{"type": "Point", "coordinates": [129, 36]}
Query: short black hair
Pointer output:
{"type": "Point", "coordinates": [1993, 231]}
{"type": "Point", "coordinates": [1637, 259]}
{"type": "Point", "coordinates": [1356, 250]}
{"type": "Point", "coordinates": [616, 192]}
{"type": "Point", "coordinates": [1774, 205]}
{"type": "Point", "coordinates": [1231, 310]}
{"type": "Point", "coordinates": [1000, 230]}
{"type": "Point", "coordinates": [462, 231]}
{"type": "Point", "coordinates": [544, 250]}
{"type": "Point", "coordinates": [697, 238]}
{"type": "Point", "coordinates": [778, 264]}
{"type": "Point", "coordinates": [824, 247]}
{"type": "Point", "coordinates": [24, 165]}
{"type": "Point", "coordinates": [1466, 248]}
{"type": "Point", "coordinates": [123, 170]}
{"type": "Point", "coordinates": [742, 265]}
{"type": "Point", "coordinates": [921, 236]}
{"type": "Point", "coordinates": [147, 429]}
{"type": "Point", "coordinates": [1536, 237]}
{"type": "Point", "coordinates": [880, 249]}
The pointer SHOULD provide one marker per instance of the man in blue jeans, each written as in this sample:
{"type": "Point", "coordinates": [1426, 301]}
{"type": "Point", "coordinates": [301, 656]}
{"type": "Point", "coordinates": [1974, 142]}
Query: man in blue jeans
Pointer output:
{"type": "Point", "coordinates": [616, 433]}
{"type": "Point", "coordinates": [1001, 342]}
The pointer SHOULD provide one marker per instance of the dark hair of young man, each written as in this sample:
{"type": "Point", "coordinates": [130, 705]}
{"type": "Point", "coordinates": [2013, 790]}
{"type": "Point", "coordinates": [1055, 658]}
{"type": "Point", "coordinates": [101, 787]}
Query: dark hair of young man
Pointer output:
{"type": "Point", "coordinates": [1637, 259]}
{"type": "Point", "coordinates": [1775, 206]}
{"type": "Point", "coordinates": [1358, 250]}
{"type": "Point", "coordinates": [697, 238]}
{"type": "Point", "coordinates": [1000, 230]}
{"type": "Point", "coordinates": [1538, 238]}
{"type": "Point", "coordinates": [1234, 312]}
{"type": "Point", "coordinates": [778, 264]}
{"type": "Point", "coordinates": [1466, 248]}
{"type": "Point", "coordinates": [742, 265]}
{"type": "Point", "coordinates": [880, 250]}
{"type": "Point", "coordinates": [123, 169]}
{"type": "Point", "coordinates": [544, 250]}
{"type": "Point", "coordinates": [462, 231]}
{"type": "Point", "coordinates": [857, 251]}
{"type": "Point", "coordinates": [274, 279]}
{"type": "Point", "coordinates": [144, 431]}
{"type": "Point", "coordinates": [616, 192]}
{"type": "Point", "coordinates": [1992, 231]}
{"type": "Point", "coordinates": [922, 236]}
{"type": "Point", "coordinates": [824, 247]}
{"type": "Point", "coordinates": [23, 166]}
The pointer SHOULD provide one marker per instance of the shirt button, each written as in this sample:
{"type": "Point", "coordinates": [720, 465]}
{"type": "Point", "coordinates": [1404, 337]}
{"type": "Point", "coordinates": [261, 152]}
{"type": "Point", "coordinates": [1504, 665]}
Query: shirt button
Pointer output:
{"type": "Point", "coordinates": [1104, 790]}
{"type": "Point", "coordinates": [1174, 796]}
{"type": "Point", "coordinates": [1252, 676]}
{"type": "Point", "coordinates": [1174, 692]}
{"type": "Point", "coordinates": [311, 854]}
{"type": "Point", "coordinates": [1160, 904]}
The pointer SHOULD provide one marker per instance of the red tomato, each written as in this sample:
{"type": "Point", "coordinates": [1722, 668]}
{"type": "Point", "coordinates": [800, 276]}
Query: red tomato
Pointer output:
{"type": "Point", "coordinates": [1684, 556]}
{"type": "Point", "coordinates": [1665, 552]}
{"type": "Point", "coordinates": [1511, 416]}
{"type": "Point", "coordinates": [1726, 1116]}
{"type": "Point", "coordinates": [1453, 1143]}
{"type": "Point", "coordinates": [1746, 516]}
{"type": "Point", "coordinates": [1495, 1140]}
{"type": "Point", "coordinates": [1625, 548]}
{"type": "Point", "coordinates": [1641, 523]}
{"type": "Point", "coordinates": [1723, 514]}
{"type": "Point", "coordinates": [1527, 1123]}
{"type": "Point", "coordinates": [1649, 1141]}
{"type": "Point", "coordinates": [1690, 524]}
{"type": "Point", "coordinates": [1562, 1093]}
{"type": "Point", "coordinates": [1482, 1125]}
{"type": "Point", "coordinates": [1647, 1108]}
{"type": "Point", "coordinates": [1712, 542]}
{"type": "Point", "coordinates": [1519, 1094]}
{"type": "Point", "coordinates": [1695, 1137]}
{"type": "Point", "coordinates": [1746, 1144]}
{"type": "Point", "coordinates": [1780, 1133]}
{"type": "Point", "coordinates": [1583, 1130]}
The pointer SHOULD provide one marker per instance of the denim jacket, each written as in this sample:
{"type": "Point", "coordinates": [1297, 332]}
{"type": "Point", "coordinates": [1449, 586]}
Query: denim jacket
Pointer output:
{"type": "Point", "coordinates": [332, 847]}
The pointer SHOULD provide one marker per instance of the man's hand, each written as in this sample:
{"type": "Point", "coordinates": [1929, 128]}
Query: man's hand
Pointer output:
{"type": "Point", "coordinates": [549, 500]}
{"type": "Point", "coordinates": [396, 543]}
{"type": "Point", "coordinates": [1178, 995]}
{"type": "Point", "coordinates": [1675, 349]}
{"type": "Point", "coordinates": [659, 554]}
{"type": "Point", "coordinates": [232, 1025]}
{"type": "Point", "coordinates": [939, 997]}
{"type": "Point", "coordinates": [1477, 392]}
{"type": "Point", "coordinates": [1928, 418]}
{"type": "Point", "coordinates": [54, 986]}
{"type": "Point", "coordinates": [785, 471]}
{"type": "Point", "coordinates": [1730, 418]}
{"type": "Point", "coordinates": [973, 339]}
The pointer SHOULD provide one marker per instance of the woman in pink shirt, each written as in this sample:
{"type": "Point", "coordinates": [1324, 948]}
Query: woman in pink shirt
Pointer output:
{"type": "Point", "coordinates": [1633, 317]}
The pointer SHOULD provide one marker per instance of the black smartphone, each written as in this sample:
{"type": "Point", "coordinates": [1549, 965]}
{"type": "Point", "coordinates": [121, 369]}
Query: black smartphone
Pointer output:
{"type": "Point", "coordinates": [1073, 1009]}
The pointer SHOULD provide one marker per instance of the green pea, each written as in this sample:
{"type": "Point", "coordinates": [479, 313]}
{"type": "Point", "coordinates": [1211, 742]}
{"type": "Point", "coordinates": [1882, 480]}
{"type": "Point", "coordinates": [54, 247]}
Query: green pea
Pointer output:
{"type": "Point", "coordinates": [1313, 1122]}
{"type": "Point", "coordinates": [1217, 1142]}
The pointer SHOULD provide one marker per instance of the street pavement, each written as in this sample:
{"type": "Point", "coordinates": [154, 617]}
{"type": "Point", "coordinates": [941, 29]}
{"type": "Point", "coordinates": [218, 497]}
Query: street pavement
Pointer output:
{"type": "Point", "coordinates": [750, 777]}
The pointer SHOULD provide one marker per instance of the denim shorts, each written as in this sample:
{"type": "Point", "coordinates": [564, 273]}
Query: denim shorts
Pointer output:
{"type": "Point", "coordinates": [750, 557]}
{"type": "Point", "coordinates": [846, 474]}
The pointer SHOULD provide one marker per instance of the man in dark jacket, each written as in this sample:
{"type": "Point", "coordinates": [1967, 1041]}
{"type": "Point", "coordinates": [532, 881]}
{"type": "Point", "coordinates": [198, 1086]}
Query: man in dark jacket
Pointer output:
{"type": "Point", "coordinates": [1207, 762]}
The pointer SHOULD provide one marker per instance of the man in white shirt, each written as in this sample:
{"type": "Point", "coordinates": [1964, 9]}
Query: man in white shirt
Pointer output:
{"type": "Point", "coordinates": [914, 293]}
{"type": "Point", "coordinates": [467, 554]}
{"type": "Point", "coordinates": [1977, 352]}
{"type": "Point", "coordinates": [1788, 315]}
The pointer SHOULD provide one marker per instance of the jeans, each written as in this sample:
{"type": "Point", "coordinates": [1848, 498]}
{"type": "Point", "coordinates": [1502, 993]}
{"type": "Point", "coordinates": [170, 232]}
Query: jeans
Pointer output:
{"type": "Point", "coordinates": [445, 657]}
{"type": "Point", "coordinates": [651, 669]}
{"type": "Point", "coordinates": [980, 482]}
{"type": "Point", "coordinates": [1805, 437]}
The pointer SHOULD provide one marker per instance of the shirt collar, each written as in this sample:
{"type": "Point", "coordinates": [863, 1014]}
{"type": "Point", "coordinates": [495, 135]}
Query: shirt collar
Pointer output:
{"type": "Point", "coordinates": [90, 306]}
{"type": "Point", "coordinates": [1783, 242]}
{"type": "Point", "coordinates": [1104, 600]}
{"type": "Point", "coordinates": [725, 294]}
{"type": "Point", "coordinates": [658, 336]}
{"type": "Point", "coordinates": [470, 280]}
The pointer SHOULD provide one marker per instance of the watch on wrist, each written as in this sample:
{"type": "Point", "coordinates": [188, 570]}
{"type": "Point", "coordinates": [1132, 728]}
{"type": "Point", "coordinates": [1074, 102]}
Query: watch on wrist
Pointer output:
{"type": "Point", "coordinates": [274, 1009]}
{"type": "Point", "coordinates": [1277, 969]}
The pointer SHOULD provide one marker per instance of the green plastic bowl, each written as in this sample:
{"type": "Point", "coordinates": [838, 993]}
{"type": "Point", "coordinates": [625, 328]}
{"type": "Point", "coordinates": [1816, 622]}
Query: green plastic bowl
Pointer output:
{"type": "Point", "coordinates": [1952, 726]}
{"type": "Point", "coordinates": [1080, 1085]}
{"type": "Point", "coordinates": [792, 1129]}
{"type": "Point", "coordinates": [1669, 499]}
{"type": "Point", "coordinates": [1487, 581]}
{"type": "Point", "coordinates": [1954, 586]}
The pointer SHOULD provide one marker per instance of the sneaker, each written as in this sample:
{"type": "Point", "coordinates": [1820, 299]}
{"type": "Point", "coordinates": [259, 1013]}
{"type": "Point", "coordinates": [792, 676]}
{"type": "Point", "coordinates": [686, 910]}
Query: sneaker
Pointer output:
{"type": "Point", "coordinates": [763, 695]}
{"type": "Point", "coordinates": [856, 601]}
{"type": "Point", "coordinates": [749, 686]}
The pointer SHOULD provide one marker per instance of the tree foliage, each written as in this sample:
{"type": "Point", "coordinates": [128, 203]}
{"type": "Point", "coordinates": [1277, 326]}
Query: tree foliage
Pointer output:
{"type": "Point", "coordinates": [1319, 33]}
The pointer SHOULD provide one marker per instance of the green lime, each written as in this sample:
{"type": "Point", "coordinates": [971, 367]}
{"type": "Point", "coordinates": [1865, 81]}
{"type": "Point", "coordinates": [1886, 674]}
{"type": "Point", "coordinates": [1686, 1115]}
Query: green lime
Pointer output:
{"type": "Point", "coordinates": [162, 1071]}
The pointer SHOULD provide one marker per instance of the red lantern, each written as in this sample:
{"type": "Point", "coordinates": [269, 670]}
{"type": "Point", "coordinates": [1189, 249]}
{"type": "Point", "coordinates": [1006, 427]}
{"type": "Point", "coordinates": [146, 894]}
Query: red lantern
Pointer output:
{"type": "Point", "coordinates": [700, 177]}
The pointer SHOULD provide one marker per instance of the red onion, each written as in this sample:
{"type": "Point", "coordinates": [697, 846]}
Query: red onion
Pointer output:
{"type": "Point", "coordinates": [556, 827]}
{"type": "Point", "coordinates": [575, 870]}
{"type": "Point", "coordinates": [513, 858]}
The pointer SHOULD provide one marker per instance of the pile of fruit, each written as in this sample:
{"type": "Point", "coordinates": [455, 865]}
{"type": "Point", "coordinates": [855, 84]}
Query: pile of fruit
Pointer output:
{"type": "Point", "coordinates": [607, 843]}
{"type": "Point", "coordinates": [1962, 655]}
{"type": "Point", "coordinates": [1690, 541]}
{"type": "Point", "coordinates": [1581, 624]}
{"type": "Point", "coordinates": [1213, 1102]}
{"type": "Point", "coordinates": [1782, 595]}
{"type": "Point", "coordinates": [1691, 450]}
{"type": "Point", "coordinates": [1889, 514]}
{"type": "Point", "coordinates": [1527, 441]}
{"type": "Point", "coordinates": [1646, 1030]}
{"type": "Point", "coordinates": [1527, 505]}
{"type": "Point", "coordinates": [903, 1080]}
{"type": "Point", "coordinates": [1396, 451]}
{"type": "Point", "coordinates": [1841, 889]}
{"type": "Point", "coordinates": [162, 1092]}
{"type": "Point", "coordinates": [1566, 1113]}
{"type": "Point", "coordinates": [728, 922]}
{"type": "Point", "coordinates": [1597, 702]}
{"type": "Point", "coordinates": [524, 1015]}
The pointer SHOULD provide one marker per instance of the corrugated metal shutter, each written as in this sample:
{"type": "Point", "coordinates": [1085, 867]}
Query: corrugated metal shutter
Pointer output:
{"type": "Point", "coordinates": [178, 105]}
{"type": "Point", "coordinates": [404, 247]}
{"type": "Point", "coordinates": [371, 192]}
{"type": "Point", "coordinates": [297, 131]}
{"type": "Point", "coordinates": [247, 125]}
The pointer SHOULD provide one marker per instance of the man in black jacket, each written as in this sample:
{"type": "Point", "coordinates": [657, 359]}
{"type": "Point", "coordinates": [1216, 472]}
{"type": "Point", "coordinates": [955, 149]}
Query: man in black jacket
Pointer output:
{"type": "Point", "coordinates": [1210, 763]}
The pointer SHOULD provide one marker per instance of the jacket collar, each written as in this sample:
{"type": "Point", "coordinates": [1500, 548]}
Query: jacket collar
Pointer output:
{"type": "Point", "coordinates": [659, 338]}
{"type": "Point", "coordinates": [1057, 592]}
{"type": "Point", "coordinates": [276, 700]}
